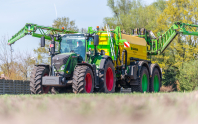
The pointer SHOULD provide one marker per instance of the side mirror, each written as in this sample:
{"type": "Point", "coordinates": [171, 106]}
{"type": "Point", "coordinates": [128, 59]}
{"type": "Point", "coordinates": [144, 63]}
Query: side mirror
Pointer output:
{"type": "Point", "coordinates": [86, 36]}
{"type": "Point", "coordinates": [96, 40]}
{"type": "Point", "coordinates": [42, 41]}
{"type": "Point", "coordinates": [102, 52]}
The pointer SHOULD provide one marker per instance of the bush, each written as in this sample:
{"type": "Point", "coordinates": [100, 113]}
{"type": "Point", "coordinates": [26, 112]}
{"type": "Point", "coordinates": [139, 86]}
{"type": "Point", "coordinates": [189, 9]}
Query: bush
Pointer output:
{"type": "Point", "coordinates": [169, 77]}
{"type": "Point", "coordinates": [188, 77]}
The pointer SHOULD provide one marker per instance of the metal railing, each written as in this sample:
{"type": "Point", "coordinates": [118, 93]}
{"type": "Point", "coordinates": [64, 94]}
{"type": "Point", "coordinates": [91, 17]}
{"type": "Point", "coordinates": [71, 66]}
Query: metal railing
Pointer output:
{"type": "Point", "coordinates": [14, 87]}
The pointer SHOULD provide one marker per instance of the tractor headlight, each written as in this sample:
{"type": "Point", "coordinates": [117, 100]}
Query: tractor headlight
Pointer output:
{"type": "Point", "coordinates": [62, 67]}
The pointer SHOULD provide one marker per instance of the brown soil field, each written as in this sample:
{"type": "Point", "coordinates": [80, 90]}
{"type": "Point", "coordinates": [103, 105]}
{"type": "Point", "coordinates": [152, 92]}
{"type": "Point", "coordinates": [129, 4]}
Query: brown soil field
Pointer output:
{"type": "Point", "coordinates": [155, 108]}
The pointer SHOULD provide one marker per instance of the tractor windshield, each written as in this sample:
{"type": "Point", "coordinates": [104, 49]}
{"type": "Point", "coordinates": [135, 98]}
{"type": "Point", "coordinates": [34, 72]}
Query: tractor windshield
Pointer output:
{"type": "Point", "coordinates": [73, 43]}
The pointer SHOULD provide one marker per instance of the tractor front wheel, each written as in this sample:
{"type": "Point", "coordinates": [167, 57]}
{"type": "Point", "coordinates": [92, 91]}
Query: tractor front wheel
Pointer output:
{"type": "Point", "coordinates": [36, 86]}
{"type": "Point", "coordinates": [83, 80]}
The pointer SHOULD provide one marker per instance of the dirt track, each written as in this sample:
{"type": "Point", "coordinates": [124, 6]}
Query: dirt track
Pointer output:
{"type": "Point", "coordinates": [100, 108]}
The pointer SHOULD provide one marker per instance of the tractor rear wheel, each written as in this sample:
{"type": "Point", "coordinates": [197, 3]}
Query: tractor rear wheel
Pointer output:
{"type": "Point", "coordinates": [83, 80]}
{"type": "Point", "coordinates": [143, 85]}
{"type": "Point", "coordinates": [36, 86]}
{"type": "Point", "coordinates": [155, 81]}
{"type": "Point", "coordinates": [107, 78]}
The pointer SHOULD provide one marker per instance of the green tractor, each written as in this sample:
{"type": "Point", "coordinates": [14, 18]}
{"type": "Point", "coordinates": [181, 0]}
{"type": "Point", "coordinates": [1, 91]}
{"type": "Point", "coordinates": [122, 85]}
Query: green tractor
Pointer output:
{"type": "Point", "coordinates": [73, 63]}
{"type": "Point", "coordinates": [72, 68]}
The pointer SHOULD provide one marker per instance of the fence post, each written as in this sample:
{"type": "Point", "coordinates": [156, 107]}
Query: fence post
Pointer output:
{"type": "Point", "coordinates": [3, 86]}
{"type": "Point", "coordinates": [14, 86]}
{"type": "Point", "coordinates": [23, 87]}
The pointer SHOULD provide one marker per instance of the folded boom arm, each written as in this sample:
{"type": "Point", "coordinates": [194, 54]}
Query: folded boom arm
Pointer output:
{"type": "Point", "coordinates": [30, 29]}
{"type": "Point", "coordinates": [162, 42]}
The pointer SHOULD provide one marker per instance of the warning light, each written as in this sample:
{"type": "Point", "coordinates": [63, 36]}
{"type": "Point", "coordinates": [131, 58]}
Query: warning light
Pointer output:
{"type": "Point", "coordinates": [97, 27]}
{"type": "Point", "coordinates": [51, 45]}
{"type": "Point", "coordinates": [62, 28]}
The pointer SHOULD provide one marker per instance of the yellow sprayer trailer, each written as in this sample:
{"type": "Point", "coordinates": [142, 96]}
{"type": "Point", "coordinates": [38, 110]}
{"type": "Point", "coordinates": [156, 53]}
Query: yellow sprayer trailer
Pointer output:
{"type": "Point", "coordinates": [130, 54]}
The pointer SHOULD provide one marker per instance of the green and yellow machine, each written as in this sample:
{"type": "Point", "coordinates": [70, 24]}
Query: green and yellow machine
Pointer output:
{"type": "Point", "coordinates": [101, 60]}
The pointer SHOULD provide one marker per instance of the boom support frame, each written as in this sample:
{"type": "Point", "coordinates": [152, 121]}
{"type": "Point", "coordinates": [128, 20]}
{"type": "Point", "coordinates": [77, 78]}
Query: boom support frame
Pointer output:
{"type": "Point", "coordinates": [162, 42]}
{"type": "Point", "coordinates": [37, 31]}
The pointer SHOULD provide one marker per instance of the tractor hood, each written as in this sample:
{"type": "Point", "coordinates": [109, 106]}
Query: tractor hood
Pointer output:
{"type": "Point", "coordinates": [60, 59]}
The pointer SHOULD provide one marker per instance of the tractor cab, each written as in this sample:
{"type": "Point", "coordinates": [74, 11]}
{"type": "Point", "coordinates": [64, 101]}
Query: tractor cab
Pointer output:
{"type": "Point", "coordinates": [73, 43]}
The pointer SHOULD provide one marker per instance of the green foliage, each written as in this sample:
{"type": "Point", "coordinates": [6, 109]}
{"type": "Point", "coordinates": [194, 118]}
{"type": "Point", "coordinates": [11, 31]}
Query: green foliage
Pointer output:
{"type": "Point", "coordinates": [169, 77]}
{"type": "Point", "coordinates": [188, 77]}
{"type": "Point", "coordinates": [130, 14]}
{"type": "Point", "coordinates": [183, 48]}
{"type": "Point", "coordinates": [66, 23]}
{"type": "Point", "coordinates": [42, 52]}
{"type": "Point", "coordinates": [160, 5]}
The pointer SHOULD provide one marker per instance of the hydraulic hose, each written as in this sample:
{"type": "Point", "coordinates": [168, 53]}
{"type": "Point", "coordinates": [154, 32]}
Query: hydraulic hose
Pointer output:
{"type": "Point", "coordinates": [124, 52]}
{"type": "Point", "coordinates": [118, 58]}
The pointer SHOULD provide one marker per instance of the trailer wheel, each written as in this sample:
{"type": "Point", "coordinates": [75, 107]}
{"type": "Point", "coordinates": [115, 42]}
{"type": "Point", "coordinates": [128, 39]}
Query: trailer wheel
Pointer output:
{"type": "Point", "coordinates": [107, 78]}
{"type": "Point", "coordinates": [143, 85]}
{"type": "Point", "coordinates": [155, 81]}
{"type": "Point", "coordinates": [36, 86]}
{"type": "Point", "coordinates": [83, 80]}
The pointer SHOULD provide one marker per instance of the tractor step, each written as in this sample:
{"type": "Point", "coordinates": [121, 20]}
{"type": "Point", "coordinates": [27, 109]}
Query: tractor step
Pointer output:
{"type": "Point", "coordinates": [54, 81]}
{"type": "Point", "coordinates": [125, 90]}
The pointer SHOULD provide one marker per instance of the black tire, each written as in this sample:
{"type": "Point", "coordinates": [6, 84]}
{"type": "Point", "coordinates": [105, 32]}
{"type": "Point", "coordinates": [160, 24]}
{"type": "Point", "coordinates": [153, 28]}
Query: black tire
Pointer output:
{"type": "Point", "coordinates": [104, 79]}
{"type": "Point", "coordinates": [155, 73]}
{"type": "Point", "coordinates": [117, 89]}
{"type": "Point", "coordinates": [80, 75]}
{"type": "Point", "coordinates": [138, 88]}
{"type": "Point", "coordinates": [36, 86]}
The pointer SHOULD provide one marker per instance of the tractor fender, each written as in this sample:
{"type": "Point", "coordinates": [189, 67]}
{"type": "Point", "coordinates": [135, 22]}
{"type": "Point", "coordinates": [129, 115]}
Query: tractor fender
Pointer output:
{"type": "Point", "coordinates": [152, 67]}
{"type": "Point", "coordinates": [46, 65]}
{"type": "Point", "coordinates": [102, 62]}
{"type": "Point", "coordinates": [140, 65]}
{"type": "Point", "coordinates": [87, 64]}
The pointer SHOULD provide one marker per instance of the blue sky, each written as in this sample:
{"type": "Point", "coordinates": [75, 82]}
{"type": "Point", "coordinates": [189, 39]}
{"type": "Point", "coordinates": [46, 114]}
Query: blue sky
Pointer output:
{"type": "Point", "coordinates": [16, 13]}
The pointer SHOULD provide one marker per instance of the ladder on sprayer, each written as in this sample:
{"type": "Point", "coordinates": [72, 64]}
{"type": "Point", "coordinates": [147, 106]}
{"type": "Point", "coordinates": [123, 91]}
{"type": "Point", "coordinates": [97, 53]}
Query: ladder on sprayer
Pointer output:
{"type": "Point", "coordinates": [111, 43]}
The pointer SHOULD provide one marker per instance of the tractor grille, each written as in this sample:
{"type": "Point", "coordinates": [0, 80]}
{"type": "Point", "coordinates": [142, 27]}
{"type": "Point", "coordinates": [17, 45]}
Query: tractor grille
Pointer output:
{"type": "Point", "coordinates": [59, 60]}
